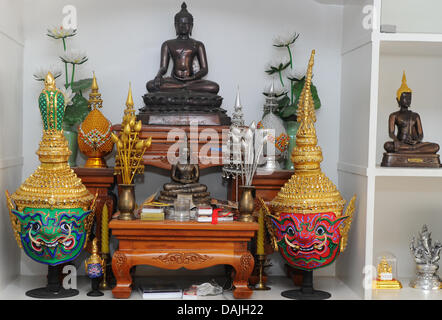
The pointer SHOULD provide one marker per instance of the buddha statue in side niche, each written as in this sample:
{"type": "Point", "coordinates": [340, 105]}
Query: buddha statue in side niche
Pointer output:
{"type": "Point", "coordinates": [407, 148]}
{"type": "Point", "coordinates": [184, 90]}
{"type": "Point", "coordinates": [185, 176]}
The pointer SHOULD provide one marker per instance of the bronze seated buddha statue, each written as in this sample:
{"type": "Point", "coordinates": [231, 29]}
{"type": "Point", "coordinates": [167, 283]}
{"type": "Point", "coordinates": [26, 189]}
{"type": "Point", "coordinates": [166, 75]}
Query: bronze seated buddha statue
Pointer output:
{"type": "Point", "coordinates": [185, 90]}
{"type": "Point", "coordinates": [407, 148]}
{"type": "Point", "coordinates": [185, 176]}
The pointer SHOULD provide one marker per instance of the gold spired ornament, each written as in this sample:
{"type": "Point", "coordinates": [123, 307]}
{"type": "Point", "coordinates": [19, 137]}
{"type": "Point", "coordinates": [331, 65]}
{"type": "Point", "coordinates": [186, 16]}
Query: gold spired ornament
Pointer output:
{"type": "Point", "coordinates": [130, 148]}
{"type": "Point", "coordinates": [94, 133]}
{"type": "Point", "coordinates": [128, 161]}
{"type": "Point", "coordinates": [309, 190]}
{"type": "Point", "coordinates": [54, 185]}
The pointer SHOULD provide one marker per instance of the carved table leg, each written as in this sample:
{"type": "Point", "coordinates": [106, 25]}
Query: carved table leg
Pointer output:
{"type": "Point", "coordinates": [243, 269]}
{"type": "Point", "coordinates": [121, 269]}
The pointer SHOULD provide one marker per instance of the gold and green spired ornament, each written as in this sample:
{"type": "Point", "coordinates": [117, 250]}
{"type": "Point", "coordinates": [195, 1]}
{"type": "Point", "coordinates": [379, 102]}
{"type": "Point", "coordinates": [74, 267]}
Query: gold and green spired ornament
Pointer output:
{"type": "Point", "coordinates": [52, 211]}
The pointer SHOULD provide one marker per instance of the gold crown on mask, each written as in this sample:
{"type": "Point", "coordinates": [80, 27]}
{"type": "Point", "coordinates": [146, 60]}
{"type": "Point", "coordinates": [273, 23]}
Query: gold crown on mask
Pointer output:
{"type": "Point", "coordinates": [404, 87]}
{"type": "Point", "coordinates": [54, 184]}
{"type": "Point", "coordinates": [308, 190]}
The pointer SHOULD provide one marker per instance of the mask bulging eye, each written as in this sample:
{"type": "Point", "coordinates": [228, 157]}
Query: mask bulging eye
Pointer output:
{"type": "Point", "coordinates": [320, 231]}
{"type": "Point", "coordinates": [290, 232]}
{"type": "Point", "coordinates": [65, 227]}
{"type": "Point", "coordinates": [35, 227]}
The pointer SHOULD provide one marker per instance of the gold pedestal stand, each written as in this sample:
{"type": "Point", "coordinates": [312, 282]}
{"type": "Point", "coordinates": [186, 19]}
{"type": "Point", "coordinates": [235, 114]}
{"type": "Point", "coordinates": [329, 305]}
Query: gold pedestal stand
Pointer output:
{"type": "Point", "coordinates": [261, 285]}
{"type": "Point", "coordinates": [387, 284]}
{"type": "Point", "coordinates": [104, 285]}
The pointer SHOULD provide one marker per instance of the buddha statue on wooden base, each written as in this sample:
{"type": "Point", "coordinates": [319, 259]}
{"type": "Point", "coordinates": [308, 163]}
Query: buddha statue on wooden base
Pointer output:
{"type": "Point", "coordinates": [407, 148]}
{"type": "Point", "coordinates": [185, 91]}
{"type": "Point", "coordinates": [185, 176]}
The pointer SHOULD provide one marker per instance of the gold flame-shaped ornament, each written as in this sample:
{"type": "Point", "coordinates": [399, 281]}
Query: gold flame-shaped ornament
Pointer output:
{"type": "Point", "coordinates": [309, 200]}
{"type": "Point", "coordinates": [94, 133]}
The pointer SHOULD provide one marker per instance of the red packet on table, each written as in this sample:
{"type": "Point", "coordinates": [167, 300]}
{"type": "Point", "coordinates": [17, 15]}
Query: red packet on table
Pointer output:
{"type": "Point", "coordinates": [220, 213]}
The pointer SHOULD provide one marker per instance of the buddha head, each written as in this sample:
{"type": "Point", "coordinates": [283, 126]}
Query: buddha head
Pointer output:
{"type": "Point", "coordinates": [404, 93]}
{"type": "Point", "coordinates": [183, 21]}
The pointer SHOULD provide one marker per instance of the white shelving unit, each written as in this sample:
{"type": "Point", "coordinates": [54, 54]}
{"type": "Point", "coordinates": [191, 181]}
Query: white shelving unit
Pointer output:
{"type": "Point", "coordinates": [393, 203]}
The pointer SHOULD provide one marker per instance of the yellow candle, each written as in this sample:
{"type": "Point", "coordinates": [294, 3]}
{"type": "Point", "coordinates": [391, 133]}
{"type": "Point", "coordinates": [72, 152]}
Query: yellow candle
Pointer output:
{"type": "Point", "coordinates": [104, 230]}
{"type": "Point", "coordinates": [260, 236]}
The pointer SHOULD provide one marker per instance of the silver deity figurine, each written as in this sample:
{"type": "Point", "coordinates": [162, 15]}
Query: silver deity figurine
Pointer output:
{"type": "Point", "coordinates": [426, 256]}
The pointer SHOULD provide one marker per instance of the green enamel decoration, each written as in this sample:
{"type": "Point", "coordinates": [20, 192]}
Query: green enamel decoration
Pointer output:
{"type": "Point", "coordinates": [52, 236]}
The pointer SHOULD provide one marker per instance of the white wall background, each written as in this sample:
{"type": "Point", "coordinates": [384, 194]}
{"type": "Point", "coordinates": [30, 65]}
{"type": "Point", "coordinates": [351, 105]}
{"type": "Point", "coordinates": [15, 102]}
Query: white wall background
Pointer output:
{"type": "Point", "coordinates": [11, 123]}
{"type": "Point", "coordinates": [123, 39]}
{"type": "Point", "coordinates": [413, 15]}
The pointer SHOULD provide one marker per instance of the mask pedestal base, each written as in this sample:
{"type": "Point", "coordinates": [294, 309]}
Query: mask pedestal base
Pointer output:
{"type": "Point", "coordinates": [306, 292]}
{"type": "Point", "coordinates": [54, 289]}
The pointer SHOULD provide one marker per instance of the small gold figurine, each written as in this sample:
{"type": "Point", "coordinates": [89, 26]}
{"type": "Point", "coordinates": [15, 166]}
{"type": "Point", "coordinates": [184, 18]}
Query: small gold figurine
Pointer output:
{"type": "Point", "coordinates": [384, 277]}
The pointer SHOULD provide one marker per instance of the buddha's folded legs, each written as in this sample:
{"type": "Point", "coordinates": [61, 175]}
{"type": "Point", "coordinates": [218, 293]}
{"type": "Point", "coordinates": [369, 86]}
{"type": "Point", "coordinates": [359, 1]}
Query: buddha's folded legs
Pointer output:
{"type": "Point", "coordinates": [171, 84]}
{"type": "Point", "coordinates": [423, 147]}
{"type": "Point", "coordinates": [177, 186]}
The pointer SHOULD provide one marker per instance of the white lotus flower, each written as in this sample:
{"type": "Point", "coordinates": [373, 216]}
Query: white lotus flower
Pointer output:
{"type": "Point", "coordinates": [285, 40]}
{"type": "Point", "coordinates": [41, 73]}
{"type": "Point", "coordinates": [60, 32]}
{"type": "Point", "coordinates": [74, 57]}
{"type": "Point", "coordinates": [68, 96]}
{"type": "Point", "coordinates": [292, 74]}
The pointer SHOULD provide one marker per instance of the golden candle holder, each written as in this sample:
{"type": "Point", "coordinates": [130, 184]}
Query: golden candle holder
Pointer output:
{"type": "Point", "coordinates": [261, 265]}
{"type": "Point", "coordinates": [104, 285]}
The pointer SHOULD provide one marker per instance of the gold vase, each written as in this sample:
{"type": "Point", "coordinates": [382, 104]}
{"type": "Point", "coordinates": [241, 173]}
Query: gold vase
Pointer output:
{"type": "Point", "coordinates": [126, 201]}
{"type": "Point", "coordinates": [246, 204]}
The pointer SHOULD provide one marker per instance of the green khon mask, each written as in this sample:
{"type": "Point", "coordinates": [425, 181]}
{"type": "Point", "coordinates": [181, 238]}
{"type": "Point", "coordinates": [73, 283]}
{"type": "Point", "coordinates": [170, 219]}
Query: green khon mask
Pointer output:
{"type": "Point", "coordinates": [52, 211]}
{"type": "Point", "coordinates": [52, 236]}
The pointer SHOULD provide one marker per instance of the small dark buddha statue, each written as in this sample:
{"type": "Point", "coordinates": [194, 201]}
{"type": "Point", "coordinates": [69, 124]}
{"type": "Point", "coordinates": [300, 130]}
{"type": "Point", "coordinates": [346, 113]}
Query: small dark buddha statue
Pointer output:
{"type": "Point", "coordinates": [185, 89]}
{"type": "Point", "coordinates": [185, 176]}
{"type": "Point", "coordinates": [407, 148]}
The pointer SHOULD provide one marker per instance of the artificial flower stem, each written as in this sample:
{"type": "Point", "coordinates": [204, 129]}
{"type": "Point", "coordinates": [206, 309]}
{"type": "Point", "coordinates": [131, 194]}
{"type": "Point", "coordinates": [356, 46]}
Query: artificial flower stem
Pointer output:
{"type": "Point", "coordinates": [73, 73]}
{"type": "Point", "coordinates": [66, 65]}
{"type": "Point", "coordinates": [291, 92]}
{"type": "Point", "coordinates": [280, 77]}
{"type": "Point", "coordinates": [290, 55]}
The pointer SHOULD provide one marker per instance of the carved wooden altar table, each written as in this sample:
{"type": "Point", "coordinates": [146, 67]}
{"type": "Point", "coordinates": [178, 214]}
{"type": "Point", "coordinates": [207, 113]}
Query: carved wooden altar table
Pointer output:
{"type": "Point", "coordinates": [173, 245]}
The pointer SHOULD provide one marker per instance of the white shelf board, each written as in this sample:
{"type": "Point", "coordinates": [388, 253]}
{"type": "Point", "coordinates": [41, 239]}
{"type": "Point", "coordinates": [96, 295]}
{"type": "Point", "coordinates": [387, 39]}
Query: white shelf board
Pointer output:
{"type": "Point", "coordinates": [339, 291]}
{"type": "Point", "coordinates": [406, 293]}
{"type": "Point", "coordinates": [331, 2]}
{"type": "Point", "coordinates": [407, 172]}
{"type": "Point", "coordinates": [410, 44]}
{"type": "Point", "coordinates": [408, 37]}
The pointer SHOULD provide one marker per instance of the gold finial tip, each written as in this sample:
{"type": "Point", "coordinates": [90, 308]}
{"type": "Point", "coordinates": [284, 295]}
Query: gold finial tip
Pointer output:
{"type": "Point", "coordinates": [130, 101]}
{"type": "Point", "coordinates": [94, 82]}
{"type": "Point", "coordinates": [50, 81]}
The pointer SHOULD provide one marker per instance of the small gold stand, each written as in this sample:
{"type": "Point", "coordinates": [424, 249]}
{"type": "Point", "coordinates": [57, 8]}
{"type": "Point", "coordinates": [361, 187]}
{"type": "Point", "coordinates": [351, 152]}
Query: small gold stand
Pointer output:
{"type": "Point", "coordinates": [261, 285]}
{"type": "Point", "coordinates": [387, 284]}
{"type": "Point", "coordinates": [104, 285]}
